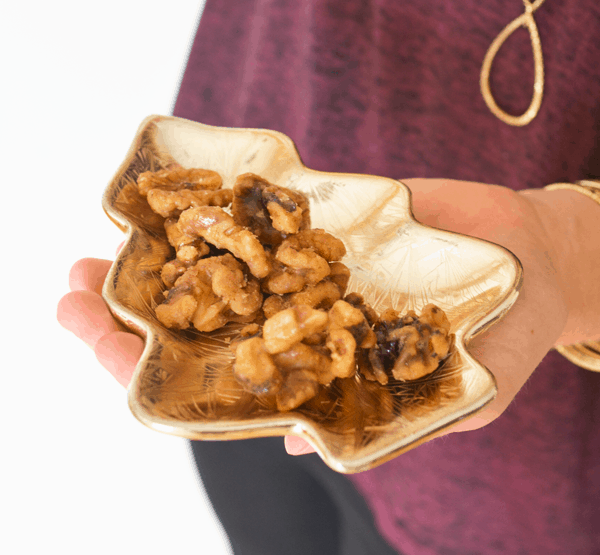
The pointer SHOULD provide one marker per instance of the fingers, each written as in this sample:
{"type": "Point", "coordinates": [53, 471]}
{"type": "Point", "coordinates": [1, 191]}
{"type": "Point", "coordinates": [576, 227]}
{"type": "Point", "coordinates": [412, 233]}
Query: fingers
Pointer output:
{"type": "Point", "coordinates": [86, 315]}
{"type": "Point", "coordinates": [119, 353]}
{"type": "Point", "coordinates": [84, 312]}
{"type": "Point", "coordinates": [88, 274]}
{"type": "Point", "coordinates": [297, 446]}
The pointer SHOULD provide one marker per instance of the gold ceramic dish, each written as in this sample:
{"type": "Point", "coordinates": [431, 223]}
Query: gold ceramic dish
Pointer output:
{"type": "Point", "coordinates": [183, 384]}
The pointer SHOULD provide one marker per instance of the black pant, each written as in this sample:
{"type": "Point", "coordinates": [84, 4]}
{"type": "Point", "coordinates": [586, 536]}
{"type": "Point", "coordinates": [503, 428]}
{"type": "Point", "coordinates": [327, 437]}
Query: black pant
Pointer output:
{"type": "Point", "coordinates": [271, 503]}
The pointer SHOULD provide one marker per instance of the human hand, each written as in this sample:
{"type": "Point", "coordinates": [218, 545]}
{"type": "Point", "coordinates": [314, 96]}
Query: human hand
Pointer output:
{"type": "Point", "coordinates": [511, 349]}
{"type": "Point", "coordinates": [84, 312]}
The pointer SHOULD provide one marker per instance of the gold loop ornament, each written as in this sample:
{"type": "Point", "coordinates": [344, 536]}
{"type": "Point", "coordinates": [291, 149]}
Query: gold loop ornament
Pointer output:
{"type": "Point", "coordinates": [526, 20]}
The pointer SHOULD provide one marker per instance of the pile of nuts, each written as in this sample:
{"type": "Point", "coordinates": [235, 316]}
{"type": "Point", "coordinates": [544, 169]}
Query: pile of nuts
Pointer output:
{"type": "Point", "coordinates": [302, 348]}
{"type": "Point", "coordinates": [260, 263]}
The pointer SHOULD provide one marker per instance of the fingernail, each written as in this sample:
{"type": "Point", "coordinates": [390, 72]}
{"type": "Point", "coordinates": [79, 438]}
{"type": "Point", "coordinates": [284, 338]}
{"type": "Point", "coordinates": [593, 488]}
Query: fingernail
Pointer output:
{"type": "Point", "coordinates": [297, 446]}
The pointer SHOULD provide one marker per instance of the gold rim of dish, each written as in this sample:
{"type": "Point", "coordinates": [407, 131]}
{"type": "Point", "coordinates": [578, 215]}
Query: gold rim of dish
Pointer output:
{"type": "Point", "coordinates": [388, 220]}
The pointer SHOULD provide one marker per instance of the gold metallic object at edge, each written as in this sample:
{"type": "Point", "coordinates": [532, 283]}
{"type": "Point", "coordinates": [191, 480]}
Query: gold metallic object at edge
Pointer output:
{"type": "Point", "coordinates": [587, 354]}
{"type": "Point", "coordinates": [182, 383]}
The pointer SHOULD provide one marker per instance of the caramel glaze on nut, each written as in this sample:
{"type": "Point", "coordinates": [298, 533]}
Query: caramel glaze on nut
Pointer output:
{"type": "Point", "coordinates": [338, 343]}
{"type": "Point", "coordinates": [169, 192]}
{"type": "Point", "coordinates": [270, 212]}
{"type": "Point", "coordinates": [217, 227]}
{"type": "Point", "coordinates": [409, 346]}
{"type": "Point", "coordinates": [263, 265]}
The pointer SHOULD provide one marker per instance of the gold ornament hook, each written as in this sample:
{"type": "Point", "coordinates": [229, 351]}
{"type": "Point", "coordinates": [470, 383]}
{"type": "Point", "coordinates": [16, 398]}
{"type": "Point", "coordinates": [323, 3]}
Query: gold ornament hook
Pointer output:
{"type": "Point", "coordinates": [526, 20]}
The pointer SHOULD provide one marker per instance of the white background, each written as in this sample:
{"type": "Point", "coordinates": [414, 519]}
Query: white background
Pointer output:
{"type": "Point", "coordinates": [78, 473]}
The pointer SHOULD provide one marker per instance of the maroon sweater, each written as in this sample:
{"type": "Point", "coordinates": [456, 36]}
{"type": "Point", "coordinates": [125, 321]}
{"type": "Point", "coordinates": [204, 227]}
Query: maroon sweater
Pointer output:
{"type": "Point", "coordinates": [391, 88]}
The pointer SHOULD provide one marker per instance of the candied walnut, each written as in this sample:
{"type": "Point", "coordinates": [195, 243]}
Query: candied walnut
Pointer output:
{"type": "Point", "coordinates": [290, 326]}
{"type": "Point", "coordinates": [178, 309]}
{"type": "Point", "coordinates": [172, 271]}
{"type": "Point", "coordinates": [188, 255]}
{"type": "Point", "coordinates": [210, 313]}
{"type": "Point", "coordinates": [340, 275]}
{"type": "Point", "coordinates": [314, 358]}
{"type": "Point", "coordinates": [316, 339]}
{"type": "Point", "coordinates": [347, 330]}
{"type": "Point", "coordinates": [170, 191]}
{"type": "Point", "coordinates": [218, 228]}
{"type": "Point", "coordinates": [269, 211]}
{"type": "Point", "coordinates": [317, 240]}
{"type": "Point", "coordinates": [344, 315]}
{"type": "Point", "coordinates": [306, 254]}
{"type": "Point", "coordinates": [301, 356]}
{"type": "Point", "coordinates": [179, 178]}
{"type": "Point", "coordinates": [342, 345]}
{"type": "Point", "coordinates": [410, 346]}
{"type": "Point", "coordinates": [274, 304]}
{"type": "Point", "coordinates": [284, 380]}
{"type": "Point", "coordinates": [304, 262]}
{"type": "Point", "coordinates": [440, 343]}
{"type": "Point", "coordinates": [286, 216]}
{"type": "Point", "coordinates": [372, 372]}
{"type": "Point", "coordinates": [435, 317]}
{"type": "Point", "coordinates": [172, 203]}
{"type": "Point", "coordinates": [282, 280]}
{"type": "Point", "coordinates": [355, 299]}
{"type": "Point", "coordinates": [254, 367]}
{"type": "Point", "coordinates": [188, 251]}
{"type": "Point", "coordinates": [299, 387]}
{"type": "Point", "coordinates": [228, 281]}
{"type": "Point", "coordinates": [322, 295]}
{"type": "Point", "coordinates": [303, 259]}
{"type": "Point", "coordinates": [358, 301]}
{"type": "Point", "coordinates": [221, 290]}
{"type": "Point", "coordinates": [241, 292]}
{"type": "Point", "coordinates": [378, 356]}
{"type": "Point", "coordinates": [389, 315]}
{"type": "Point", "coordinates": [423, 345]}
{"type": "Point", "coordinates": [179, 240]}
{"type": "Point", "coordinates": [363, 334]}
{"type": "Point", "coordinates": [414, 360]}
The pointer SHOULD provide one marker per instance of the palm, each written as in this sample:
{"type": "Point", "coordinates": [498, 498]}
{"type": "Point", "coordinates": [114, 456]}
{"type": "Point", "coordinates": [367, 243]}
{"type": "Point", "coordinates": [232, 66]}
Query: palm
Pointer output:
{"type": "Point", "coordinates": [513, 347]}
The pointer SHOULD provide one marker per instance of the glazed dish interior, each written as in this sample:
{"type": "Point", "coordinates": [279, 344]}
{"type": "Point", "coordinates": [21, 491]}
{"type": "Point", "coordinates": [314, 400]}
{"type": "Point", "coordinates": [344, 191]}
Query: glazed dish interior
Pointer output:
{"type": "Point", "coordinates": [183, 384]}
